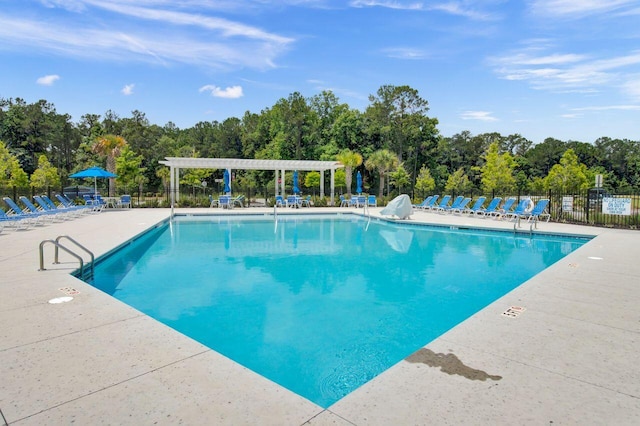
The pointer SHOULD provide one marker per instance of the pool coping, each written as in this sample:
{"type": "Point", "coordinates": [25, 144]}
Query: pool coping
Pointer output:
{"type": "Point", "coordinates": [95, 359]}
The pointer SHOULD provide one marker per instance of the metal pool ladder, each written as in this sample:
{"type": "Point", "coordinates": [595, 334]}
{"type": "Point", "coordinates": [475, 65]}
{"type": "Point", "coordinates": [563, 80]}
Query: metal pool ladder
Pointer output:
{"type": "Point", "coordinates": [365, 212]}
{"type": "Point", "coordinates": [275, 218]}
{"type": "Point", "coordinates": [58, 246]}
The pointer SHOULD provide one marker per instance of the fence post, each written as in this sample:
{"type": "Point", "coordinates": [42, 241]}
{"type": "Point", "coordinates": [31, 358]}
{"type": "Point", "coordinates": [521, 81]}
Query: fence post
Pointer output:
{"type": "Point", "coordinates": [587, 205]}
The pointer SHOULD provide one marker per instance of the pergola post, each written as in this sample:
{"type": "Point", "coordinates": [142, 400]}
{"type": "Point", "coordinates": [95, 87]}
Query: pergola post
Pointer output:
{"type": "Point", "coordinates": [276, 193]}
{"type": "Point", "coordinates": [172, 195]}
{"type": "Point", "coordinates": [333, 186]}
{"type": "Point", "coordinates": [282, 189]}
{"type": "Point", "coordinates": [176, 183]}
{"type": "Point", "coordinates": [322, 184]}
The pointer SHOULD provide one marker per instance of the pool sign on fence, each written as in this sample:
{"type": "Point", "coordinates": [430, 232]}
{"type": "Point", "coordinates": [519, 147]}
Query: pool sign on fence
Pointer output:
{"type": "Point", "coordinates": [620, 206]}
{"type": "Point", "coordinates": [567, 204]}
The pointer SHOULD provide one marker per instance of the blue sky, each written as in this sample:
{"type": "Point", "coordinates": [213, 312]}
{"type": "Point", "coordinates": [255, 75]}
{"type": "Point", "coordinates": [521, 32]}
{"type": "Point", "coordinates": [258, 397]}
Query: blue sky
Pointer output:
{"type": "Point", "coordinates": [568, 69]}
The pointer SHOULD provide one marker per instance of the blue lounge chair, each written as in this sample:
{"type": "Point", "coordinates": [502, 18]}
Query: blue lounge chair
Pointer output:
{"type": "Point", "coordinates": [66, 212]}
{"type": "Point", "coordinates": [492, 207]}
{"type": "Point", "coordinates": [343, 201]}
{"type": "Point", "coordinates": [443, 202]}
{"type": "Point", "coordinates": [306, 201]}
{"type": "Point", "coordinates": [94, 202]}
{"type": "Point", "coordinates": [43, 206]}
{"type": "Point", "coordinates": [238, 201]}
{"type": "Point", "coordinates": [67, 203]}
{"type": "Point", "coordinates": [431, 203]}
{"type": "Point", "coordinates": [519, 211]}
{"type": "Point", "coordinates": [68, 200]}
{"type": "Point", "coordinates": [463, 205]}
{"type": "Point", "coordinates": [224, 201]}
{"type": "Point", "coordinates": [293, 201]}
{"type": "Point", "coordinates": [443, 208]}
{"type": "Point", "coordinates": [46, 213]}
{"type": "Point", "coordinates": [353, 201]}
{"type": "Point", "coordinates": [372, 201]}
{"type": "Point", "coordinates": [124, 202]}
{"type": "Point", "coordinates": [476, 206]}
{"type": "Point", "coordinates": [424, 203]}
{"type": "Point", "coordinates": [538, 211]}
{"type": "Point", "coordinates": [15, 210]}
{"type": "Point", "coordinates": [101, 202]}
{"type": "Point", "coordinates": [18, 222]}
{"type": "Point", "coordinates": [506, 208]}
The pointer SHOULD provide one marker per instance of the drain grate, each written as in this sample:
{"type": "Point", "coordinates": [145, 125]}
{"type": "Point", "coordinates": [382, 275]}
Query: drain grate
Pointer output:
{"type": "Point", "coordinates": [513, 311]}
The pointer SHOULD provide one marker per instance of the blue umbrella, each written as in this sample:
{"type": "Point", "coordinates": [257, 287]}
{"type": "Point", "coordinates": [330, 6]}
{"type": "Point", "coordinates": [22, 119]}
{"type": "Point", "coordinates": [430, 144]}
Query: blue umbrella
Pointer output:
{"type": "Point", "coordinates": [95, 173]}
{"type": "Point", "coordinates": [295, 182]}
{"type": "Point", "coordinates": [359, 183]}
{"type": "Point", "coordinates": [227, 186]}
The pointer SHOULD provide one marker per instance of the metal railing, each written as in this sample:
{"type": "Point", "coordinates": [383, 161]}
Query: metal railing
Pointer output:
{"type": "Point", "coordinates": [59, 246]}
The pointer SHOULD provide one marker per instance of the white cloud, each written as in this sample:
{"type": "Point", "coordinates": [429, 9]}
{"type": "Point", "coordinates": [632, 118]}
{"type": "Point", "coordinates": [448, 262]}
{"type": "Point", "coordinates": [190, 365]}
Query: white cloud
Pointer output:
{"type": "Point", "coordinates": [478, 115]}
{"type": "Point", "coordinates": [48, 80]}
{"type": "Point", "coordinates": [609, 108]}
{"type": "Point", "coordinates": [232, 92]}
{"type": "Point", "coordinates": [70, 5]}
{"type": "Point", "coordinates": [389, 4]}
{"type": "Point", "coordinates": [405, 53]}
{"type": "Point", "coordinates": [569, 72]}
{"type": "Point", "coordinates": [632, 87]}
{"type": "Point", "coordinates": [458, 8]}
{"type": "Point", "coordinates": [128, 89]}
{"type": "Point", "coordinates": [554, 59]}
{"type": "Point", "coordinates": [577, 8]}
{"type": "Point", "coordinates": [226, 27]}
{"type": "Point", "coordinates": [172, 37]}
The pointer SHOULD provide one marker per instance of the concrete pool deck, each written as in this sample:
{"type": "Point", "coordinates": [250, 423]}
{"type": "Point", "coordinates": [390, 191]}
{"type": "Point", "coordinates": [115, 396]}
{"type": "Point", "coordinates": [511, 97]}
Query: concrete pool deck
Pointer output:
{"type": "Point", "coordinates": [572, 357]}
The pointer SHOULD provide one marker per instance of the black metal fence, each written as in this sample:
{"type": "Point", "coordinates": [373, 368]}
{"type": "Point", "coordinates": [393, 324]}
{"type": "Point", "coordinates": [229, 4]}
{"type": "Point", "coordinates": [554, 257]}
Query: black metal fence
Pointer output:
{"type": "Point", "coordinates": [595, 207]}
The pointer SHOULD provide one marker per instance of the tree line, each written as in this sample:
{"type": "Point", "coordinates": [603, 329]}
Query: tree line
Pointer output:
{"type": "Point", "coordinates": [394, 143]}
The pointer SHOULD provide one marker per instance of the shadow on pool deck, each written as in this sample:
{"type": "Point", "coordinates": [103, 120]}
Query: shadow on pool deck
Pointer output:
{"type": "Point", "coordinates": [571, 357]}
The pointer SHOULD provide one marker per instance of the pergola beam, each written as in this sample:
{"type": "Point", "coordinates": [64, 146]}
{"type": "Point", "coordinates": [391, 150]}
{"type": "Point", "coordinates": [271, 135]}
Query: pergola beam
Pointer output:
{"type": "Point", "coordinates": [177, 163]}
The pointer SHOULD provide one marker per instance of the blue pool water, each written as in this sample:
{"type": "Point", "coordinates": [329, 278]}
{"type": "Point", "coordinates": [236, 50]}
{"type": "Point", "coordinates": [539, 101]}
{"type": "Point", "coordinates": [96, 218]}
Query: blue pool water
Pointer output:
{"type": "Point", "coordinates": [324, 304]}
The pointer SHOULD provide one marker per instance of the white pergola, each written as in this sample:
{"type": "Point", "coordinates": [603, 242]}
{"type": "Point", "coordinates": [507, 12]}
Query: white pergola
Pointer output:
{"type": "Point", "coordinates": [278, 166]}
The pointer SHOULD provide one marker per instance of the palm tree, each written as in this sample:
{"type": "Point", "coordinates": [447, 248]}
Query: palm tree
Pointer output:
{"type": "Point", "coordinates": [350, 160]}
{"type": "Point", "coordinates": [110, 146]}
{"type": "Point", "coordinates": [383, 161]}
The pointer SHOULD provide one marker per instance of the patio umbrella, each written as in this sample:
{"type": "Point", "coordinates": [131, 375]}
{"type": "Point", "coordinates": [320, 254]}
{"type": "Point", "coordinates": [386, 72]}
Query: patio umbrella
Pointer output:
{"type": "Point", "coordinates": [95, 173]}
{"type": "Point", "coordinates": [295, 182]}
{"type": "Point", "coordinates": [359, 183]}
{"type": "Point", "coordinates": [227, 186]}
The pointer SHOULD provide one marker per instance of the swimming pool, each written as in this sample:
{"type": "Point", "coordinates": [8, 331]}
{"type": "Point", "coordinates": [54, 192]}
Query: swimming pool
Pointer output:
{"type": "Point", "coordinates": [325, 303]}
